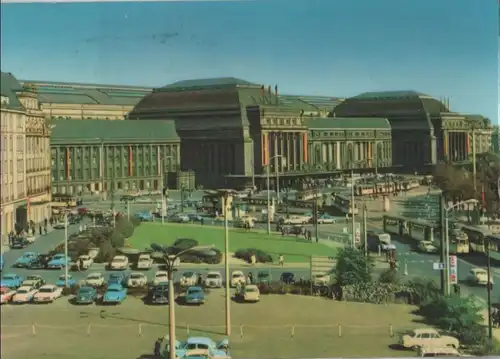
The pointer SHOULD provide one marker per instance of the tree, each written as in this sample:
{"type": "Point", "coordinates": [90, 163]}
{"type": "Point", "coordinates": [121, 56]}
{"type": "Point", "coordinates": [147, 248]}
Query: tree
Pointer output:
{"type": "Point", "coordinates": [455, 183]}
{"type": "Point", "coordinates": [352, 267]}
{"type": "Point", "coordinates": [117, 239]}
{"type": "Point", "coordinates": [125, 227]}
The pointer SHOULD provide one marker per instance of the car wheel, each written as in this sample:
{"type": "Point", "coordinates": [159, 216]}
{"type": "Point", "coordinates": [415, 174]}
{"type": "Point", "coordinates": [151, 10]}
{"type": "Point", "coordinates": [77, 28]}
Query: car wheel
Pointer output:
{"type": "Point", "coordinates": [415, 347]}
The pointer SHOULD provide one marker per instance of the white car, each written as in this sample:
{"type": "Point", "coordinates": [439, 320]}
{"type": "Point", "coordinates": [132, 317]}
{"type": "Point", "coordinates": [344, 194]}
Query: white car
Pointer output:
{"type": "Point", "coordinates": [251, 293]}
{"type": "Point", "coordinates": [427, 247]}
{"type": "Point", "coordinates": [145, 261]}
{"type": "Point", "coordinates": [238, 277]}
{"type": "Point", "coordinates": [161, 277]}
{"type": "Point", "coordinates": [321, 279]}
{"type": "Point", "coordinates": [24, 294]}
{"type": "Point", "coordinates": [119, 263]}
{"type": "Point", "coordinates": [189, 279]}
{"type": "Point", "coordinates": [479, 276]}
{"type": "Point", "coordinates": [86, 261]}
{"type": "Point", "coordinates": [47, 293]}
{"type": "Point", "coordinates": [60, 225]}
{"type": "Point", "coordinates": [6, 294]}
{"type": "Point", "coordinates": [136, 280]}
{"type": "Point", "coordinates": [213, 280]}
{"type": "Point", "coordinates": [296, 220]}
{"type": "Point", "coordinates": [426, 337]}
{"type": "Point", "coordinates": [95, 280]}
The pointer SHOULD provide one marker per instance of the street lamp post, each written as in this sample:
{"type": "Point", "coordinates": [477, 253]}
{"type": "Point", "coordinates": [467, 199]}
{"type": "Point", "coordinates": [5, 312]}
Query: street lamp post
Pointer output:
{"type": "Point", "coordinates": [226, 268]}
{"type": "Point", "coordinates": [172, 262]}
{"type": "Point", "coordinates": [66, 250]}
{"type": "Point", "coordinates": [447, 240]}
{"type": "Point", "coordinates": [268, 194]}
{"type": "Point", "coordinates": [162, 180]}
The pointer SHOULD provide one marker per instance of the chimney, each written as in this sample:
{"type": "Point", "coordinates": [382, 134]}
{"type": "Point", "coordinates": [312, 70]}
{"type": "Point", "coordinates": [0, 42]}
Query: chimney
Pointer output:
{"type": "Point", "coordinates": [276, 93]}
{"type": "Point", "coordinates": [262, 91]}
{"type": "Point", "coordinates": [269, 90]}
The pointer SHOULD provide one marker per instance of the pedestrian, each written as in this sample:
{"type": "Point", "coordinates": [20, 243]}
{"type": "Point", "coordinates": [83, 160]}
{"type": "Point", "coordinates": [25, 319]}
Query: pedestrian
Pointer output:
{"type": "Point", "coordinates": [80, 228]}
{"type": "Point", "coordinates": [200, 279]}
{"type": "Point", "coordinates": [281, 260]}
{"type": "Point", "coordinates": [40, 229]}
{"type": "Point", "coordinates": [309, 235]}
{"type": "Point", "coordinates": [250, 278]}
{"type": "Point", "coordinates": [347, 218]}
{"type": "Point", "coordinates": [79, 264]}
{"type": "Point", "coordinates": [45, 222]}
{"type": "Point", "coordinates": [33, 230]}
{"type": "Point", "coordinates": [157, 347]}
{"type": "Point", "coordinates": [202, 221]}
{"type": "Point", "coordinates": [317, 239]}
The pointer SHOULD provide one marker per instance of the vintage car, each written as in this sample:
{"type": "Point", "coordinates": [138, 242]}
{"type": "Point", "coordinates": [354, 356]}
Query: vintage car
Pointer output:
{"type": "Point", "coordinates": [117, 278]}
{"type": "Point", "coordinates": [85, 261]}
{"type": "Point", "coordinates": [200, 346]}
{"type": "Point", "coordinates": [11, 280]}
{"type": "Point", "coordinates": [34, 281]}
{"type": "Point", "coordinates": [264, 277]}
{"type": "Point", "coordinates": [60, 225]}
{"type": "Point", "coordinates": [189, 279]}
{"type": "Point", "coordinates": [61, 281]}
{"type": "Point", "coordinates": [250, 293]}
{"type": "Point", "coordinates": [431, 351]}
{"type": "Point", "coordinates": [86, 295]}
{"type": "Point", "coordinates": [238, 277]}
{"type": "Point", "coordinates": [24, 294]}
{"type": "Point", "coordinates": [19, 243]}
{"type": "Point", "coordinates": [40, 262]}
{"type": "Point", "coordinates": [287, 278]}
{"type": "Point", "coordinates": [325, 218]}
{"type": "Point", "coordinates": [377, 240]}
{"type": "Point", "coordinates": [95, 280]}
{"type": "Point", "coordinates": [321, 280]}
{"type": "Point", "coordinates": [144, 261]}
{"type": "Point", "coordinates": [6, 294]}
{"type": "Point", "coordinates": [137, 280]}
{"type": "Point", "coordinates": [26, 259]}
{"type": "Point", "coordinates": [243, 223]}
{"type": "Point", "coordinates": [161, 277]}
{"type": "Point", "coordinates": [427, 337]}
{"type": "Point", "coordinates": [427, 247]}
{"type": "Point", "coordinates": [119, 263]}
{"type": "Point", "coordinates": [144, 216]}
{"type": "Point", "coordinates": [115, 293]}
{"type": "Point", "coordinates": [479, 276]}
{"type": "Point", "coordinates": [179, 218]}
{"type": "Point", "coordinates": [159, 294]}
{"type": "Point", "coordinates": [47, 293]}
{"type": "Point", "coordinates": [194, 295]}
{"type": "Point", "coordinates": [296, 220]}
{"type": "Point", "coordinates": [58, 261]}
{"type": "Point", "coordinates": [213, 280]}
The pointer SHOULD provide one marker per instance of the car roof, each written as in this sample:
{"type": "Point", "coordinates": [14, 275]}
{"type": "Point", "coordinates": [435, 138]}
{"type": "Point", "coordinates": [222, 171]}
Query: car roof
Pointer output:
{"type": "Point", "coordinates": [251, 286]}
{"type": "Point", "coordinates": [10, 274]}
{"type": "Point", "coordinates": [200, 340]}
{"type": "Point", "coordinates": [28, 253]}
{"type": "Point", "coordinates": [214, 272]}
{"type": "Point", "coordinates": [237, 272]}
{"type": "Point", "coordinates": [195, 288]}
{"type": "Point", "coordinates": [25, 287]}
{"type": "Point", "coordinates": [424, 330]}
{"type": "Point", "coordinates": [115, 286]}
{"type": "Point", "coordinates": [48, 286]}
{"type": "Point", "coordinates": [95, 274]}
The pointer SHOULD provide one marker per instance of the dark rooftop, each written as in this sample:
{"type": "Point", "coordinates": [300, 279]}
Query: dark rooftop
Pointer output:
{"type": "Point", "coordinates": [346, 123]}
{"type": "Point", "coordinates": [9, 85]}
{"type": "Point", "coordinates": [206, 83]}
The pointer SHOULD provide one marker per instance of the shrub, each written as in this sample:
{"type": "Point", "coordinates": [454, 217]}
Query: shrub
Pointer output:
{"type": "Point", "coordinates": [260, 256]}
{"type": "Point", "coordinates": [352, 267]}
{"type": "Point", "coordinates": [372, 292]}
{"type": "Point", "coordinates": [135, 221]}
{"type": "Point", "coordinates": [124, 226]}
{"type": "Point", "coordinates": [117, 239]}
{"type": "Point", "coordinates": [389, 276]}
{"type": "Point", "coordinates": [423, 290]}
{"type": "Point", "coordinates": [192, 257]}
{"type": "Point", "coordinates": [106, 253]}
{"type": "Point", "coordinates": [181, 244]}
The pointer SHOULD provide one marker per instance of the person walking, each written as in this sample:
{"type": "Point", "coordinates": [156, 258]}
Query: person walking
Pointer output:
{"type": "Point", "coordinates": [281, 260]}
{"type": "Point", "coordinates": [40, 229]}
{"type": "Point", "coordinates": [157, 347]}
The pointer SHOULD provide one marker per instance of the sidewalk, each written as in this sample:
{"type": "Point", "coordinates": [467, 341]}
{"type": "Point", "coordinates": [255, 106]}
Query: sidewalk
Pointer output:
{"type": "Point", "coordinates": [5, 244]}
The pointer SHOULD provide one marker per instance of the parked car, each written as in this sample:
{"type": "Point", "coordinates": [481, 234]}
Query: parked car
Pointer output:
{"type": "Point", "coordinates": [161, 277]}
{"type": "Point", "coordinates": [287, 278]}
{"type": "Point", "coordinates": [26, 259]}
{"type": "Point", "coordinates": [24, 294]}
{"type": "Point", "coordinates": [115, 294]}
{"type": "Point", "coordinates": [159, 294]}
{"type": "Point", "coordinates": [325, 218]}
{"type": "Point", "coordinates": [180, 218]}
{"type": "Point", "coordinates": [137, 280]}
{"type": "Point", "coordinates": [431, 351]}
{"type": "Point", "coordinates": [194, 295]}
{"type": "Point", "coordinates": [427, 337]}
{"type": "Point", "coordinates": [250, 293]}
{"type": "Point", "coordinates": [61, 281]}
{"type": "Point", "coordinates": [2, 263]}
{"type": "Point", "coordinates": [427, 247]}
{"type": "Point", "coordinates": [47, 293]}
{"type": "Point", "coordinates": [6, 294]}
{"type": "Point", "coordinates": [119, 263]}
{"type": "Point", "coordinates": [86, 295]}
{"type": "Point", "coordinates": [144, 261]}
{"type": "Point", "coordinates": [296, 220]}
{"type": "Point", "coordinates": [11, 280]}
{"type": "Point", "coordinates": [203, 347]}
{"type": "Point", "coordinates": [189, 279]}
{"type": "Point", "coordinates": [213, 280]}
{"type": "Point", "coordinates": [35, 281]}
{"type": "Point", "coordinates": [144, 216]}
{"type": "Point", "coordinates": [321, 280]}
{"type": "Point", "coordinates": [238, 277]}
{"type": "Point", "coordinates": [58, 261]}
{"type": "Point", "coordinates": [40, 263]}
{"type": "Point", "coordinates": [85, 261]}
{"type": "Point", "coordinates": [60, 225]}
{"type": "Point", "coordinates": [264, 277]}
{"type": "Point", "coordinates": [19, 243]}
{"type": "Point", "coordinates": [479, 276]}
{"type": "Point", "coordinates": [95, 280]}
{"type": "Point", "coordinates": [195, 217]}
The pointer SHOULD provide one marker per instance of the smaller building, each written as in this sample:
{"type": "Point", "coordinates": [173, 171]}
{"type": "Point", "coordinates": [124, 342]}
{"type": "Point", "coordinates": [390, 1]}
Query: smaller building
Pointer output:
{"type": "Point", "coordinates": [349, 143]}
{"type": "Point", "coordinates": [105, 156]}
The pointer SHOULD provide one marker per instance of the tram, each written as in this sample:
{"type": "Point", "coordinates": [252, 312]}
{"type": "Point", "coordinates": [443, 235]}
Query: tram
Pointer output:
{"type": "Point", "coordinates": [342, 205]}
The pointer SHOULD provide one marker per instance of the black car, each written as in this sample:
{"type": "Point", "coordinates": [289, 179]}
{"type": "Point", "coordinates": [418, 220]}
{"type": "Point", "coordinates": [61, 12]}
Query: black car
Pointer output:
{"type": "Point", "coordinates": [18, 243]}
{"type": "Point", "coordinates": [287, 278]}
{"type": "Point", "coordinates": [40, 262]}
{"type": "Point", "coordinates": [159, 294]}
{"type": "Point", "coordinates": [74, 219]}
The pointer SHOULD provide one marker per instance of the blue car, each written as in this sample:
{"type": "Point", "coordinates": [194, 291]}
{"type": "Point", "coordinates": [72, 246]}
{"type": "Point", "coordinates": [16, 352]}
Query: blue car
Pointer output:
{"type": "Point", "coordinates": [194, 295]}
{"type": "Point", "coordinates": [115, 294]}
{"type": "Point", "coordinates": [213, 349]}
{"type": "Point", "coordinates": [26, 259]}
{"type": "Point", "coordinates": [86, 295]}
{"type": "Point", "coordinates": [11, 281]}
{"type": "Point", "coordinates": [58, 261]}
{"type": "Point", "coordinates": [116, 278]}
{"type": "Point", "coordinates": [61, 281]}
{"type": "Point", "coordinates": [144, 216]}
{"type": "Point", "coordinates": [2, 263]}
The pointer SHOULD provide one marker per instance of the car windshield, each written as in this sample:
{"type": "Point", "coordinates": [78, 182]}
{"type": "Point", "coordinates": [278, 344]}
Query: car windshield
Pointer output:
{"type": "Point", "coordinates": [32, 277]}
{"type": "Point", "coordinates": [9, 276]}
{"type": "Point", "coordinates": [237, 275]}
{"type": "Point", "coordinates": [158, 275]}
{"type": "Point", "coordinates": [94, 276]}
{"type": "Point", "coordinates": [195, 291]}
{"type": "Point", "coordinates": [191, 346]}
{"type": "Point", "coordinates": [119, 259]}
{"type": "Point", "coordinates": [63, 277]}
{"type": "Point", "coordinates": [85, 290]}
{"type": "Point", "coordinates": [213, 276]}
{"type": "Point", "coordinates": [24, 290]}
{"type": "Point", "coordinates": [136, 276]}
{"type": "Point", "coordinates": [57, 257]}
{"type": "Point", "coordinates": [188, 274]}
{"type": "Point", "coordinates": [114, 290]}
{"type": "Point", "coordinates": [250, 289]}
{"type": "Point", "coordinates": [28, 254]}
{"type": "Point", "coordinates": [46, 290]}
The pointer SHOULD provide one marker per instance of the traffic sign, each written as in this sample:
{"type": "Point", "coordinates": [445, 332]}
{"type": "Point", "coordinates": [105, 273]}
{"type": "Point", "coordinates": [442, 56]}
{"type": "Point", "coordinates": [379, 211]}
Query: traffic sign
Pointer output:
{"type": "Point", "coordinates": [453, 261]}
{"type": "Point", "coordinates": [453, 270]}
{"type": "Point", "coordinates": [437, 266]}
{"type": "Point", "coordinates": [453, 279]}
{"type": "Point", "coordinates": [358, 236]}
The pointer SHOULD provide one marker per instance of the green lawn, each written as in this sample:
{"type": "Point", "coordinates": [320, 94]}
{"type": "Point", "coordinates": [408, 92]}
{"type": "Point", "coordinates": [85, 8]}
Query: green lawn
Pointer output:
{"type": "Point", "coordinates": [294, 249]}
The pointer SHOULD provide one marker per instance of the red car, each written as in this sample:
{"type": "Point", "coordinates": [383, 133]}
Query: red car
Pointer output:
{"type": "Point", "coordinates": [82, 211]}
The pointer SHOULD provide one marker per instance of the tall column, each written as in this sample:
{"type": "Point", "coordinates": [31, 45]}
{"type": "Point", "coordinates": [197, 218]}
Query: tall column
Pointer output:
{"type": "Point", "coordinates": [445, 143]}
{"type": "Point", "coordinates": [277, 161]}
{"type": "Point", "coordinates": [265, 149]}
{"type": "Point", "coordinates": [305, 147]}
{"type": "Point", "coordinates": [338, 162]}
{"type": "Point", "coordinates": [294, 150]}
{"type": "Point", "coordinates": [283, 152]}
{"type": "Point", "coordinates": [467, 144]}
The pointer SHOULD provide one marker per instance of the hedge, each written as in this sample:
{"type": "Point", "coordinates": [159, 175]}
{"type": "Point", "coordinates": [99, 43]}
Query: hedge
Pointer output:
{"type": "Point", "coordinates": [260, 256]}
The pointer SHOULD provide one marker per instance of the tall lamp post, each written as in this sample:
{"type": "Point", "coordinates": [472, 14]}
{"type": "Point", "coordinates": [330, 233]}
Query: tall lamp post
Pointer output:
{"type": "Point", "coordinates": [353, 205]}
{"type": "Point", "coordinates": [162, 180]}
{"type": "Point", "coordinates": [447, 240]}
{"type": "Point", "coordinates": [66, 224]}
{"type": "Point", "coordinates": [268, 187]}
{"type": "Point", "coordinates": [172, 261]}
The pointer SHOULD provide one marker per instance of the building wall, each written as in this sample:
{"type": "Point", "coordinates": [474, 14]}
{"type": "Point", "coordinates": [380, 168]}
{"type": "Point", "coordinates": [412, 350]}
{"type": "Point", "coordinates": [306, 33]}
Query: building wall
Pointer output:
{"type": "Point", "coordinates": [106, 167]}
{"type": "Point", "coordinates": [77, 111]}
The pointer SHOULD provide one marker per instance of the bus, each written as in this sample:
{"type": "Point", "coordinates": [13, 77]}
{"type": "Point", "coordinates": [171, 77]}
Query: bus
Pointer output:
{"type": "Point", "coordinates": [62, 200]}
{"type": "Point", "coordinates": [342, 205]}
{"type": "Point", "coordinates": [459, 242]}
{"type": "Point", "coordinates": [478, 239]}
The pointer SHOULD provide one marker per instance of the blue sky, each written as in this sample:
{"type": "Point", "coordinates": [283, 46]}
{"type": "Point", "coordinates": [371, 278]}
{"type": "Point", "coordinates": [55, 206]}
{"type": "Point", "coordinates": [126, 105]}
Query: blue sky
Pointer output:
{"type": "Point", "coordinates": [314, 47]}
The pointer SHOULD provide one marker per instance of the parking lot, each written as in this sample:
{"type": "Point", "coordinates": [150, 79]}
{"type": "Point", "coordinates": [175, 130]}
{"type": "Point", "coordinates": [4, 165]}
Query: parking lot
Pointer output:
{"type": "Point", "coordinates": [284, 326]}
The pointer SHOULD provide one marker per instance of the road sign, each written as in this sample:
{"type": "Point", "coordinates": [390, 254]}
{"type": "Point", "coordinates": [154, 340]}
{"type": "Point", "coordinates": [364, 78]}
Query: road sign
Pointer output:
{"type": "Point", "coordinates": [437, 266]}
{"type": "Point", "coordinates": [358, 235]}
{"type": "Point", "coordinates": [453, 261]}
{"type": "Point", "coordinates": [453, 270]}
